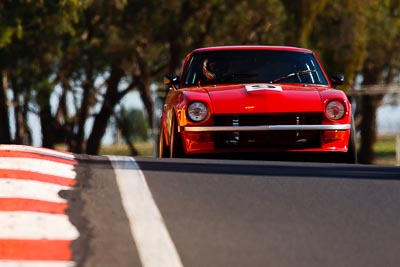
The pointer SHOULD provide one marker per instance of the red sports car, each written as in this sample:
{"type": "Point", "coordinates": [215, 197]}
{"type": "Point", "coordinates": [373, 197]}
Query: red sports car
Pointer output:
{"type": "Point", "coordinates": [256, 100]}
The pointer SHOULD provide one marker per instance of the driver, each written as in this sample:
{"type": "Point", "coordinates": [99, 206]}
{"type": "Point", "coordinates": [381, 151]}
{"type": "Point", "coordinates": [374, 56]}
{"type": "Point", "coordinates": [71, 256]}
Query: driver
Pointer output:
{"type": "Point", "coordinates": [213, 69]}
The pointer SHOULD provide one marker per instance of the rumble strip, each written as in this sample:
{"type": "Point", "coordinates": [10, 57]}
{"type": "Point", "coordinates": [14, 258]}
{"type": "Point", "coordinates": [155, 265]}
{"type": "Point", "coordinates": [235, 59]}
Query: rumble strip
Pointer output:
{"type": "Point", "coordinates": [34, 227]}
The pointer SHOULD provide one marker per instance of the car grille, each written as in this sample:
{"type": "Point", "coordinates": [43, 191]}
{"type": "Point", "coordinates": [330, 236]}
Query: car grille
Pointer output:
{"type": "Point", "coordinates": [268, 139]}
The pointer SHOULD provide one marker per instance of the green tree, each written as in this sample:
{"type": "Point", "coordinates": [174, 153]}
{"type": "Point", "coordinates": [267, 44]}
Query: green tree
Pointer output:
{"type": "Point", "coordinates": [302, 18]}
{"type": "Point", "coordinates": [340, 37]}
{"type": "Point", "coordinates": [381, 67]}
{"type": "Point", "coordinates": [30, 32]}
{"type": "Point", "coordinates": [360, 39]}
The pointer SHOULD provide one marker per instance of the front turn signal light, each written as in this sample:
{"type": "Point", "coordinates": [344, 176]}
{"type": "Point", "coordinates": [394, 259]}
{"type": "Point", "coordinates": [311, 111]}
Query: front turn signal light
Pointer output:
{"type": "Point", "coordinates": [334, 135]}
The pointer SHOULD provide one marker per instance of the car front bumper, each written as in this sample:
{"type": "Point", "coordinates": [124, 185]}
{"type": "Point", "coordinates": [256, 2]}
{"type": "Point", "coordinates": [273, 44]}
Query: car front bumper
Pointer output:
{"type": "Point", "coordinates": [266, 138]}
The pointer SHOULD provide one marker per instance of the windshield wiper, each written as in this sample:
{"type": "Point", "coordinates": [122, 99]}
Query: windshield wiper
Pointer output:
{"type": "Point", "coordinates": [297, 73]}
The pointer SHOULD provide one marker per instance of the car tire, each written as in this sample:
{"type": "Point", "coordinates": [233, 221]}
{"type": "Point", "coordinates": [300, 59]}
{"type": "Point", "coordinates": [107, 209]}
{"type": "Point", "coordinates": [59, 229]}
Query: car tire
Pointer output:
{"type": "Point", "coordinates": [176, 147]}
{"type": "Point", "coordinates": [351, 154]}
{"type": "Point", "coordinates": [162, 149]}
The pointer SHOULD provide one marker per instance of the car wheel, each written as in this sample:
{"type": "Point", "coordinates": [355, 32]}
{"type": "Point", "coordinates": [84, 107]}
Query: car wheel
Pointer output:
{"type": "Point", "coordinates": [351, 154]}
{"type": "Point", "coordinates": [176, 147]}
{"type": "Point", "coordinates": [162, 149]}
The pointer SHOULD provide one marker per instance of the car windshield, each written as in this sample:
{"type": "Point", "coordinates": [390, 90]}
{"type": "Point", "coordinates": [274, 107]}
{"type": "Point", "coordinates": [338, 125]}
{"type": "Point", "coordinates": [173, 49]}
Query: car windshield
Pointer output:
{"type": "Point", "coordinates": [255, 66]}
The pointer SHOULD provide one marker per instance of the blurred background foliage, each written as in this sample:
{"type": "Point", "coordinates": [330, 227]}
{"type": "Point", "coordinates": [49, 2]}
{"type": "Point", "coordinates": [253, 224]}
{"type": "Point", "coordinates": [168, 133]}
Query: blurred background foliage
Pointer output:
{"type": "Point", "coordinates": [69, 62]}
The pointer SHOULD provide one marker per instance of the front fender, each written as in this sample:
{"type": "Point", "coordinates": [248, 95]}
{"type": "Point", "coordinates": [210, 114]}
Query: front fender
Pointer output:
{"type": "Point", "coordinates": [188, 97]}
{"type": "Point", "coordinates": [327, 96]}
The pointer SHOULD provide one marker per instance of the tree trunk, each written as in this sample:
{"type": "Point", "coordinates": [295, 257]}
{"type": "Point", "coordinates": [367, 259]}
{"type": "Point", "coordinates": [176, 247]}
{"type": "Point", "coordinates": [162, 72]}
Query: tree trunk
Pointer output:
{"type": "Point", "coordinates": [79, 137]}
{"type": "Point", "coordinates": [369, 106]}
{"type": "Point", "coordinates": [111, 98]}
{"type": "Point", "coordinates": [27, 137]}
{"type": "Point", "coordinates": [145, 96]}
{"type": "Point", "coordinates": [48, 130]}
{"type": "Point", "coordinates": [62, 117]}
{"type": "Point", "coordinates": [86, 104]}
{"type": "Point", "coordinates": [22, 132]}
{"type": "Point", "coordinates": [132, 148]}
{"type": "Point", "coordinates": [5, 135]}
{"type": "Point", "coordinates": [144, 86]}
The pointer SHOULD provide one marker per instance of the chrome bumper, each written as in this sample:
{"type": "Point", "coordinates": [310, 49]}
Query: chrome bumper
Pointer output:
{"type": "Point", "coordinates": [330, 127]}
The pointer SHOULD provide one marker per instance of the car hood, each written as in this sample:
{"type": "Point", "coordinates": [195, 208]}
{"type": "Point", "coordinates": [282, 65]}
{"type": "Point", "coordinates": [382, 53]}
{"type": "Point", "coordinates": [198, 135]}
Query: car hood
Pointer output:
{"type": "Point", "coordinates": [264, 98]}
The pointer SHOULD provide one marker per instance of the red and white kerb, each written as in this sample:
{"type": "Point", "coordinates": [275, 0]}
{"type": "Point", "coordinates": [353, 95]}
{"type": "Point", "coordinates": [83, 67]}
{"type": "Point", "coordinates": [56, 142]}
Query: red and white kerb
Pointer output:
{"type": "Point", "coordinates": [34, 227]}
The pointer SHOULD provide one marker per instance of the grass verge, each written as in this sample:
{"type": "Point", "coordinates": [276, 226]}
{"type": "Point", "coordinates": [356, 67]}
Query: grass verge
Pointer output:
{"type": "Point", "coordinates": [385, 149]}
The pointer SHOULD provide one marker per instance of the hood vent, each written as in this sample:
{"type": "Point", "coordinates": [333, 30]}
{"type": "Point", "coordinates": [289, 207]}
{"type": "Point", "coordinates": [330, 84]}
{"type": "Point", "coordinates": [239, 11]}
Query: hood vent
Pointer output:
{"type": "Point", "coordinates": [262, 87]}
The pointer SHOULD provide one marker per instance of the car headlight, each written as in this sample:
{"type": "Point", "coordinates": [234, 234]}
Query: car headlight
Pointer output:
{"type": "Point", "coordinates": [335, 110]}
{"type": "Point", "coordinates": [197, 111]}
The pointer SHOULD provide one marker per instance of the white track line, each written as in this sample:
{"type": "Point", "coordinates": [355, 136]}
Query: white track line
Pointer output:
{"type": "Point", "coordinates": [17, 188]}
{"type": "Point", "coordinates": [34, 225]}
{"type": "Point", "coordinates": [38, 165]}
{"type": "Point", "coordinates": [152, 238]}
{"type": "Point", "coordinates": [4, 263]}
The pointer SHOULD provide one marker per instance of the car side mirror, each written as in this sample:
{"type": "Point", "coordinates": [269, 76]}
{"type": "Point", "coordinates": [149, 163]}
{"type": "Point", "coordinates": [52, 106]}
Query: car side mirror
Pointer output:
{"type": "Point", "coordinates": [337, 80]}
{"type": "Point", "coordinates": [171, 80]}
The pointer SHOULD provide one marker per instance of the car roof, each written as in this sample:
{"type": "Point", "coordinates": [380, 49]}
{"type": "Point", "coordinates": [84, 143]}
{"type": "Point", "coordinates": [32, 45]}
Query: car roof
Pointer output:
{"type": "Point", "coordinates": [252, 47]}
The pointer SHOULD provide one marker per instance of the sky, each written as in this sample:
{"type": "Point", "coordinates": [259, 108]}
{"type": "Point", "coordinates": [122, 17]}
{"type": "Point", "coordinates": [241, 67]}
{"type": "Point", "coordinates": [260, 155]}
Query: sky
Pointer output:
{"type": "Point", "coordinates": [388, 119]}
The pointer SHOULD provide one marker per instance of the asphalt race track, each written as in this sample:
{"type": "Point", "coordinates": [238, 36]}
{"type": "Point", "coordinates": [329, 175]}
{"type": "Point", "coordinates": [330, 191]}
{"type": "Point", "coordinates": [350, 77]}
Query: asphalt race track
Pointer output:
{"type": "Point", "coordinates": [195, 212]}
